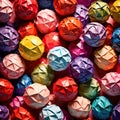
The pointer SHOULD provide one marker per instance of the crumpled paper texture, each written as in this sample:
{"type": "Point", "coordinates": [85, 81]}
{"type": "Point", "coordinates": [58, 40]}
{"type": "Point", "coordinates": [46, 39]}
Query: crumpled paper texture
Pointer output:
{"type": "Point", "coordinates": [94, 34]}
{"type": "Point", "coordinates": [101, 108]}
{"type": "Point", "coordinates": [27, 29]}
{"type": "Point", "coordinates": [116, 112]}
{"type": "Point", "coordinates": [116, 40]}
{"type": "Point", "coordinates": [52, 40]}
{"type": "Point", "coordinates": [26, 9]}
{"type": "Point", "coordinates": [9, 39]}
{"type": "Point", "coordinates": [82, 69]}
{"type": "Point", "coordinates": [21, 84]}
{"type": "Point", "coordinates": [36, 95]}
{"type": "Point", "coordinates": [43, 74]}
{"type": "Point", "coordinates": [12, 66]}
{"type": "Point", "coordinates": [70, 28]}
{"type": "Point", "coordinates": [21, 114]}
{"type": "Point", "coordinates": [59, 58]}
{"type": "Point", "coordinates": [115, 11]}
{"type": "Point", "coordinates": [51, 112]}
{"type": "Point", "coordinates": [4, 112]}
{"type": "Point", "coordinates": [79, 48]}
{"type": "Point", "coordinates": [90, 89]}
{"type": "Point", "coordinates": [79, 108]}
{"type": "Point", "coordinates": [65, 7]}
{"type": "Point", "coordinates": [110, 84]}
{"type": "Point", "coordinates": [81, 13]}
{"type": "Point", "coordinates": [6, 10]}
{"type": "Point", "coordinates": [99, 11]}
{"type": "Point", "coordinates": [46, 21]}
{"type": "Point", "coordinates": [31, 48]}
{"type": "Point", "coordinates": [16, 102]}
{"type": "Point", "coordinates": [65, 89]}
{"type": "Point", "coordinates": [6, 90]}
{"type": "Point", "coordinates": [105, 58]}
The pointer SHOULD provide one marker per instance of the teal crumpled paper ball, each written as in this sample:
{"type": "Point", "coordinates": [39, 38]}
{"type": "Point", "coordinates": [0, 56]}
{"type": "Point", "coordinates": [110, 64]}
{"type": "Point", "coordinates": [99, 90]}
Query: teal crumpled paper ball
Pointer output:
{"type": "Point", "coordinates": [101, 108]}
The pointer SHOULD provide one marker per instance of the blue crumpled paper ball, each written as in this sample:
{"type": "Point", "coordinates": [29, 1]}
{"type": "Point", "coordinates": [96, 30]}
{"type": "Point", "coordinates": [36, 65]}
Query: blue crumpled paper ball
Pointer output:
{"type": "Point", "coordinates": [59, 58]}
{"type": "Point", "coordinates": [21, 84]}
{"type": "Point", "coordinates": [101, 108]}
{"type": "Point", "coordinates": [51, 112]}
{"type": "Point", "coordinates": [116, 40]}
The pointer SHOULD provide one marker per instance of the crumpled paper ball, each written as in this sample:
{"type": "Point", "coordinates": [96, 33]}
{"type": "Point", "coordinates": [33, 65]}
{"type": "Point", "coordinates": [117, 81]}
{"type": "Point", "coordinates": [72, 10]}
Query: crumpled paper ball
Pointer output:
{"type": "Point", "coordinates": [6, 90]}
{"type": "Point", "coordinates": [9, 39]}
{"type": "Point", "coordinates": [65, 7]}
{"type": "Point", "coordinates": [70, 28]}
{"type": "Point", "coordinates": [90, 89]}
{"type": "Point", "coordinates": [36, 95]}
{"type": "Point", "coordinates": [99, 11]}
{"type": "Point", "coordinates": [109, 32]}
{"type": "Point", "coordinates": [21, 114]}
{"type": "Point", "coordinates": [79, 48]}
{"type": "Point", "coordinates": [4, 112]}
{"type": "Point", "coordinates": [43, 74]}
{"type": "Point", "coordinates": [26, 9]}
{"type": "Point", "coordinates": [16, 102]}
{"type": "Point", "coordinates": [82, 69]}
{"type": "Point", "coordinates": [65, 89]}
{"type": "Point", "coordinates": [51, 112]}
{"type": "Point", "coordinates": [46, 21]}
{"type": "Point", "coordinates": [101, 108]}
{"type": "Point", "coordinates": [52, 40]}
{"type": "Point", "coordinates": [116, 40]}
{"type": "Point", "coordinates": [105, 58]}
{"type": "Point", "coordinates": [6, 11]}
{"type": "Point", "coordinates": [110, 84]}
{"type": "Point", "coordinates": [79, 107]}
{"type": "Point", "coordinates": [31, 48]}
{"type": "Point", "coordinates": [27, 29]}
{"type": "Point", "coordinates": [12, 66]}
{"type": "Point", "coordinates": [94, 34]}
{"type": "Point", "coordinates": [21, 84]}
{"type": "Point", "coordinates": [81, 13]}
{"type": "Point", "coordinates": [115, 11]}
{"type": "Point", "coordinates": [59, 58]}
{"type": "Point", "coordinates": [46, 4]}
{"type": "Point", "coordinates": [116, 112]}
{"type": "Point", "coordinates": [86, 3]}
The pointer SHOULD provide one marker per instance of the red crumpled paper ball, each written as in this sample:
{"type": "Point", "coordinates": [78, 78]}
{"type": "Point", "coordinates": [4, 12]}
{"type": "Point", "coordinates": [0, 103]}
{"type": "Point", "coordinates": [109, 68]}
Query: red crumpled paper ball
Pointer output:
{"type": "Point", "coordinates": [65, 89]}
{"type": "Point", "coordinates": [6, 90]}
{"type": "Point", "coordinates": [27, 29]}
{"type": "Point", "coordinates": [65, 7]}
{"type": "Point", "coordinates": [21, 114]}
{"type": "Point", "coordinates": [52, 40]}
{"type": "Point", "coordinates": [26, 9]}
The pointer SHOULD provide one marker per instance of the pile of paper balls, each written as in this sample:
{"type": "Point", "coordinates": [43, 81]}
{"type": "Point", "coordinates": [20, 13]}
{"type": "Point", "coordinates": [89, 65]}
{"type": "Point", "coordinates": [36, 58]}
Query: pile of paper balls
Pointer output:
{"type": "Point", "coordinates": [59, 60]}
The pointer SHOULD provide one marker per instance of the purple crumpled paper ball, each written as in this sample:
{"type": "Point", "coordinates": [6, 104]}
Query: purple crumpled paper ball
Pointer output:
{"type": "Point", "coordinates": [81, 13]}
{"type": "Point", "coordinates": [82, 69]}
{"type": "Point", "coordinates": [116, 112]}
{"type": "Point", "coordinates": [9, 39]}
{"type": "Point", "coordinates": [94, 34]}
{"type": "Point", "coordinates": [4, 112]}
{"type": "Point", "coordinates": [79, 48]}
